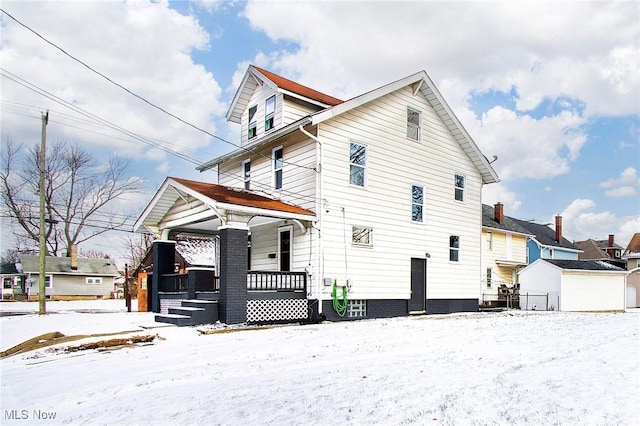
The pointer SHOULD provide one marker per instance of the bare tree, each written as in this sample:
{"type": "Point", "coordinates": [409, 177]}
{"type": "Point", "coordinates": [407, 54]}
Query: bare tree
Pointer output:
{"type": "Point", "coordinates": [137, 247]}
{"type": "Point", "coordinates": [79, 194]}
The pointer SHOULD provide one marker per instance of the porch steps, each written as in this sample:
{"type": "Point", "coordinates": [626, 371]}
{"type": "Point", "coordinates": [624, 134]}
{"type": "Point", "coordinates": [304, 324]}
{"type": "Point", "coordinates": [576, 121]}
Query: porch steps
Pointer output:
{"type": "Point", "coordinates": [191, 312]}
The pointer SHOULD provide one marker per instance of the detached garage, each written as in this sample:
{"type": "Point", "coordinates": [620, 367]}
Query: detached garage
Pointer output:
{"type": "Point", "coordinates": [580, 285]}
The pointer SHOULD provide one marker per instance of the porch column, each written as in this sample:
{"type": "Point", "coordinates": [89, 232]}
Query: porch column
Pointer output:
{"type": "Point", "coordinates": [163, 258]}
{"type": "Point", "coordinates": [233, 274]}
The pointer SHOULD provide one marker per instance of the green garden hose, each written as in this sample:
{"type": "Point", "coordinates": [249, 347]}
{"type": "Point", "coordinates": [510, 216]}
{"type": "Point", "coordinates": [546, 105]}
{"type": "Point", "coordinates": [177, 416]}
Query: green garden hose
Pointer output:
{"type": "Point", "coordinates": [339, 305]}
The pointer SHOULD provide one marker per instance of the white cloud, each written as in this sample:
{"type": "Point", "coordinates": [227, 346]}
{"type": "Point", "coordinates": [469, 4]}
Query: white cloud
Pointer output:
{"type": "Point", "coordinates": [498, 192]}
{"type": "Point", "coordinates": [144, 46]}
{"type": "Point", "coordinates": [623, 191]}
{"type": "Point", "coordinates": [581, 222]}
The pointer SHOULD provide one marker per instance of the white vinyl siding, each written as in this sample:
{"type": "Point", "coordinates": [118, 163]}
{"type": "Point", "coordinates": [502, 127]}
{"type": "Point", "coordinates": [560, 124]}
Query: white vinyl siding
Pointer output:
{"type": "Point", "coordinates": [393, 165]}
{"type": "Point", "coordinates": [264, 248]}
{"type": "Point", "coordinates": [75, 285]}
{"type": "Point", "coordinates": [298, 185]}
{"type": "Point", "coordinates": [258, 99]}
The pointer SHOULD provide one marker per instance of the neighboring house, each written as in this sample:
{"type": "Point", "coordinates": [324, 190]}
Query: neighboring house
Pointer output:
{"type": "Point", "coordinates": [504, 252]}
{"type": "Point", "coordinates": [192, 252]}
{"type": "Point", "coordinates": [13, 282]}
{"type": "Point", "coordinates": [363, 208]}
{"type": "Point", "coordinates": [632, 256]}
{"type": "Point", "coordinates": [69, 277]}
{"type": "Point", "coordinates": [572, 285]}
{"type": "Point", "coordinates": [547, 243]}
{"type": "Point", "coordinates": [606, 250]}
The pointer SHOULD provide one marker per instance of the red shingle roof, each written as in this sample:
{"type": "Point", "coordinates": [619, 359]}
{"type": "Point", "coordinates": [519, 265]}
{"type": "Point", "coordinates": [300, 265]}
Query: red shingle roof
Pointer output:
{"type": "Point", "coordinates": [241, 197]}
{"type": "Point", "coordinates": [299, 89]}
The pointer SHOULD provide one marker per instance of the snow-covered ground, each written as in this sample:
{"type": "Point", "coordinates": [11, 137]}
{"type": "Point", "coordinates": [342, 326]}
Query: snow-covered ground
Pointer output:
{"type": "Point", "coordinates": [480, 368]}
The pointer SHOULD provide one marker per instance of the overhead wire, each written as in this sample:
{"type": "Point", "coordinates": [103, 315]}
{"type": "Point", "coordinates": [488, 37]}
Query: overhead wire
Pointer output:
{"type": "Point", "coordinates": [141, 97]}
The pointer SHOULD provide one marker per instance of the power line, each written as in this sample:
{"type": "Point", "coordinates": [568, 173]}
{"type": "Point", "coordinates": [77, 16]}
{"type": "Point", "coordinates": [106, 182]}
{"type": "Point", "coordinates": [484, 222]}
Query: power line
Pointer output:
{"type": "Point", "coordinates": [140, 97]}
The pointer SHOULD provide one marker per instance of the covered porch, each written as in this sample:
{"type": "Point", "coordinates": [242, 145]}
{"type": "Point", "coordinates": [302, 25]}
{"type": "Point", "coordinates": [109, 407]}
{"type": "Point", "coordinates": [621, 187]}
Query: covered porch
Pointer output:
{"type": "Point", "coordinates": [274, 290]}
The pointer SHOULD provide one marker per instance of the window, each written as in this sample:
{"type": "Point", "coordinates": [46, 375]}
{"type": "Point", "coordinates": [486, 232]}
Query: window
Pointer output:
{"type": "Point", "coordinates": [459, 184]}
{"type": "Point", "coordinates": [413, 124]}
{"type": "Point", "coordinates": [490, 239]}
{"type": "Point", "coordinates": [253, 125]}
{"type": "Point", "coordinates": [489, 271]}
{"type": "Point", "coordinates": [454, 248]}
{"type": "Point", "coordinates": [362, 236]}
{"type": "Point", "coordinates": [356, 308]}
{"type": "Point", "coordinates": [48, 281]}
{"type": "Point", "coordinates": [276, 155]}
{"type": "Point", "coordinates": [357, 164]}
{"type": "Point", "coordinates": [246, 173]}
{"type": "Point", "coordinates": [417, 203]}
{"type": "Point", "coordinates": [269, 110]}
{"type": "Point", "coordinates": [93, 280]}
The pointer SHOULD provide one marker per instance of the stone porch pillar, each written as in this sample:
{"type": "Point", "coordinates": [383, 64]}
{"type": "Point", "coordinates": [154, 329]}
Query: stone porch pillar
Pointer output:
{"type": "Point", "coordinates": [163, 259]}
{"type": "Point", "coordinates": [233, 274]}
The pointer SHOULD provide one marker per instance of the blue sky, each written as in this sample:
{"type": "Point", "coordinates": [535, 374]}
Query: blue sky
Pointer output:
{"type": "Point", "coordinates": [552, 89]}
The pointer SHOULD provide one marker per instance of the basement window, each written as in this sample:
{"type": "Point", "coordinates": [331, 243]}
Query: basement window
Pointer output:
{"type": "Point", "coordinates": [253, 124]}
{"type": "Point", "coordinates": [356, 308]}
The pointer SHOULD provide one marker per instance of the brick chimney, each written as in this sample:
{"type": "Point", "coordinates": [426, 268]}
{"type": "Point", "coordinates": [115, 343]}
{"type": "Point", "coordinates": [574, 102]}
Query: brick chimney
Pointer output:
{"type": "Point", "coordinates": [610, 249]}
{"type": "Point", "coordinates": [498, 212]}
{"type": "Point", "coordinates": [558, 228]}
{"type": "Point", "coordinates": [73, 254]}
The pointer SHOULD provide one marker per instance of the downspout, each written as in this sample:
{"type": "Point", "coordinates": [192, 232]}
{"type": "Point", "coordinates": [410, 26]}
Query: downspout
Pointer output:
{"type": "Point", "coordinates": [320, 266]}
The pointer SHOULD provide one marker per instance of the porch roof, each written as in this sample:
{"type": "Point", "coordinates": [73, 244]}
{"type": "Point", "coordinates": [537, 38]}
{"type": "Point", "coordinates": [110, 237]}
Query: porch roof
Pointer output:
{"type": "Point", "coordinates": [179, 202]}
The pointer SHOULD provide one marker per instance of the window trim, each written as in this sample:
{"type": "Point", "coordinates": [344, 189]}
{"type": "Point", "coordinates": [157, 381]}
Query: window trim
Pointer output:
{"type": "Point", "coordinates": [252, 124]}
{"type": "Point", "coordinates": [453, 249]}
{"type": "Point", "coordinates": [269, 116]}
{"type": "Point", "coordinates": [50, 281]}
{"type": "Point", "coordinates": [275, 170]}
{"type": "Point", "coordinates": [422, 215]}
{"type": "Point", "coordinates": [359, 244]}
{"type": "Point", "coordinates": [363, 167]}
{"type": "Point", "coordinates": [281, 229]}
{"type": "Point", "coordinates": [457, 188]}
{"type": "Point", "coordinates": [418, 127]}
{"type": "Point", "coordinates": [246, 178]}
{"type": "Point", "coordinates": [97, 280]}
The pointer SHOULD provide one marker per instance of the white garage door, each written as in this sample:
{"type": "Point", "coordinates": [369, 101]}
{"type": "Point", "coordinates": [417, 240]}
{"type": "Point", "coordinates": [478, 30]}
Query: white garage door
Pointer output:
{"type": "Point", "coordinates": [631, 297]}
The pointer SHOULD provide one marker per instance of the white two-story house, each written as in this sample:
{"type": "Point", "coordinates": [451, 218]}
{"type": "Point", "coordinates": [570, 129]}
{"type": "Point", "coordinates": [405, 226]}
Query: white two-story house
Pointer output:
{"type": "Point", "coordinates": [375, 200]}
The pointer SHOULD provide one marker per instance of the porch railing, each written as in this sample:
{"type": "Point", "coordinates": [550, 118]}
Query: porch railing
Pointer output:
{"type": "Point", "coordinates": [275, 280]}
{"type": "Point", "coordinates": [256, 281]}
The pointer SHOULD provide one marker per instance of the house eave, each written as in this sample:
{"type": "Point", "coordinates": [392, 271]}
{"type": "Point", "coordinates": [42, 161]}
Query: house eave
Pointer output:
{"type": "Point", "coordinates": [247, 150]}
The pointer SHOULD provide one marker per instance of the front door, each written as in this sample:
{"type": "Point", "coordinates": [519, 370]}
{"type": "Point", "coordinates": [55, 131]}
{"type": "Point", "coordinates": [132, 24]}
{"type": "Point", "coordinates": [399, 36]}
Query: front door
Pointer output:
{"type": "Point", "coordinates": [284, 248]}
{"type": "Point", "coordinates": [418, 285]}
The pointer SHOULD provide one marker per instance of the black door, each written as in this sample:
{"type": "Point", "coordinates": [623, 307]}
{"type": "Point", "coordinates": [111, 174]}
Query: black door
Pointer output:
{"type": "Point", "coordinates": [285, 251]}
{"type": "Point", "coordinates": [418, 285]}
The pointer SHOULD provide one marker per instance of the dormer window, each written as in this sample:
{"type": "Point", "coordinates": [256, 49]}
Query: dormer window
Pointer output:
{"type": "Point", "coordinates": [269, 110]}
{"type": "Point", "coordinates": [253, 124]}
{"type": "Point", "coordinates": [413, 124]}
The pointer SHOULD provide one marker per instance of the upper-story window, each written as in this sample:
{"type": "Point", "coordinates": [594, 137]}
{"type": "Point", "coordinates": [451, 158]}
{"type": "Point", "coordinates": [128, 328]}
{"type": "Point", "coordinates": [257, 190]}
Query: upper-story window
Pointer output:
{"type": "Point", "coordinates": [459, 187]}
{"type": "Point", "coordinates": [246, 173]}
{"type": "Point", "coordinates": [490, 239]}
{"type": "Point", "coordinates": [253, 124]}
{"type": "Point", "coordinates": [276, 156]}
{"type": "Point", "coordinates": [454, 248]}
{"type": "Point", "coordinates": [417, 203]}
{"type": "Point", "coordinates": [357, 164]}
{"type": "Point", "coordinates": [413, 124]}
{"type": "Point", "coordinates": [269, 111]}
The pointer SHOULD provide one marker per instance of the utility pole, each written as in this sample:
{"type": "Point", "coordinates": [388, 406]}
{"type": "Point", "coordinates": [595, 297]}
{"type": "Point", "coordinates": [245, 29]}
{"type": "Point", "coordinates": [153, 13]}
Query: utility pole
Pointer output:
{"type": "Point", "coordinates": [42, 309]}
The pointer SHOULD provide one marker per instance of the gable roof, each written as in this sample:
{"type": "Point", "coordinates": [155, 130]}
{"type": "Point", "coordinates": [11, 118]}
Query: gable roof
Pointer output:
{"type": "Point", "coordinates": [256, 76]}
{"type": "Point", "coordinates": [584, 265]}
{"type": "Point", "coordinates": [419, 81]}
{"type": "Point", "coordinates": [508, 224]}
{"type": "Point", "coordinates": [545, 235]}
{"type": "Point", "coordinates": [591, 250]}
{"type": "Point", "coordinates": [62, 265]}
{"type": "Point", "coordinates": [633, 248]}
{"type": "Point", "coordinates": [215, 197]}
